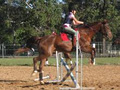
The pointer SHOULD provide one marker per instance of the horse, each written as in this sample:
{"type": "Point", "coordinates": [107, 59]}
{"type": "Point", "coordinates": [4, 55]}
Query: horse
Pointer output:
{"type": "Point", "coordinates": [34, 42]}
{"type": "Point", "coordinates": [48, 44]}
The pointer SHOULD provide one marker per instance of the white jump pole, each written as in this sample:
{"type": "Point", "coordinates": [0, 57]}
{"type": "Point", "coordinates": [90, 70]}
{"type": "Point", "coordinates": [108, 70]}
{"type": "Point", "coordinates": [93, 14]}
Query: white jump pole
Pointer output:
{"type": "Point", "coordinates": [75, 80]}
{"type": "Point", "coordinates": [77, 66]}
{"type": "Point", "coordinates": [57, 64]}
{"type": "Point", "coordinates": [69, 72]}
{"type": "Point", "coordinates": [58, 72]}
{"type": "Point", "coordinates": [61, 67]}
{"type": "Point", "coordinates": [46, 77]}
{"type": "Point", "coordinates": [77, 87]}
{"type": "Point", "coordinates": [81, 61]}
{"type": "Point", "coordinates": [93, 45]}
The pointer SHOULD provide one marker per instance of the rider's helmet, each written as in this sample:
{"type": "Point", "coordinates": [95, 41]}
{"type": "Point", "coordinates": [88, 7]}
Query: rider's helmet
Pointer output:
{"type": "Point", "coordinates": [71, 7]}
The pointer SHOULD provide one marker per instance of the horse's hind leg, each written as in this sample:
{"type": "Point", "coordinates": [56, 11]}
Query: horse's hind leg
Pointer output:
{"type": "Point", "coordinates": [42, 63]}
{"type": "Point", "coordinates": [35, 60]}
{"type": "Point", "coordinates": [68, 57]}
{"type": "Point", "coordinates": [46, 63]}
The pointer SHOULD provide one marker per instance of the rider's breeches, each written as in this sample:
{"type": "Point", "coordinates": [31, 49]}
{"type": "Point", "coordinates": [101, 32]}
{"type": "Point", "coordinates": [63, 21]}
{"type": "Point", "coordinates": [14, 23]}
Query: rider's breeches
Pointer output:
{"type": "Point", "coordinates": [70, 30]}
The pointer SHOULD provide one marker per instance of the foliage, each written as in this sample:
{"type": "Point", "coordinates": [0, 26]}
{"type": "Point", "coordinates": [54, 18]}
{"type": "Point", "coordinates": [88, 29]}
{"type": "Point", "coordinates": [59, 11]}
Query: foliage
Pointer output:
{"type": "Point", "coordinates": [21, 19]}
{"type": "Point", "coordinates": [20, 22]}
{"type": "Point", "coordinates": [49, 9]}
{"type": "Point", "coordinates": [97, 10]}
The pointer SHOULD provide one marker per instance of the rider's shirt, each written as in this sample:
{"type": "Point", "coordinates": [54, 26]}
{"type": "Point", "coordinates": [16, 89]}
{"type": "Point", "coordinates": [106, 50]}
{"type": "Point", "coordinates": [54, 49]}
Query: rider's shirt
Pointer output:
{"type": "Point", "coordinates": [69, 20]}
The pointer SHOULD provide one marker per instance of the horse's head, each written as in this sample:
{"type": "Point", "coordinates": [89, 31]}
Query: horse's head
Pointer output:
{"type": "Point", "coordinates": [106, 30]}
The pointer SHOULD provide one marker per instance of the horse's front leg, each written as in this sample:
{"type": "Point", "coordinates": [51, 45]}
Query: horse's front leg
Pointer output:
{"type": "Point", "coordinates": [92, 61]}
{"type": "Point", "coordinates": [89, 49]}
{"type": "Point", "coordinates": [35, 60]}
{"type": "Point", "coordinates": [42, 63]}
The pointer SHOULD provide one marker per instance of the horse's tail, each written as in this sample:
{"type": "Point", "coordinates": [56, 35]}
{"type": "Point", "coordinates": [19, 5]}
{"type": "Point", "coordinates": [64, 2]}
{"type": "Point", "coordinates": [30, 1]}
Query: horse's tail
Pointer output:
{"type": "Point", "coordinates": [20, 50]}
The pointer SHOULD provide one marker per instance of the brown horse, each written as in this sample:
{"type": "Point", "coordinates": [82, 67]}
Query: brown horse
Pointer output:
{"type": "Point", "coordinates": [32, 42]}
{"type": "Point", "coordinates": [48, 44]}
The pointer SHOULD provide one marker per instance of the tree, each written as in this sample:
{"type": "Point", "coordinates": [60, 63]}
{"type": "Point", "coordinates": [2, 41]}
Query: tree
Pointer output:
{"type": "Point", "coordinates": [97, 10]}
{"type": "Point", "coordinates": [47, 14]}
{"type": "Point", "coordinates": [22, 19]}
{"type": "Point", "coordinates": [21, 22]}
{"type": "Point", "coordinates": [13, 16]}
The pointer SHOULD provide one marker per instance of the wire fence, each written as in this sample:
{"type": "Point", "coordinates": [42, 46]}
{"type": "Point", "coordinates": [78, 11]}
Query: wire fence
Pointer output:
{"type": "Point", "coordinates": [7, 50]}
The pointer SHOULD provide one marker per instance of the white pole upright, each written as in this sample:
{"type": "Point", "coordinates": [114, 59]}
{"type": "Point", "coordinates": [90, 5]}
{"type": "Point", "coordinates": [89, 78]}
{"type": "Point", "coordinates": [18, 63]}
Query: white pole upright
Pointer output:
{"type": "Point", "coordinates": [61, 67]}
{"type": "Point", "coordinates": [57, 64]}
{"type": "Point", "coordinates": [81, 65]}
{"type": "Point", "coordinates": [81, 68]}
{"type": "Point", "coordinates": [94, 48]}
{"type": "Point", "coordinates": [77, 42]}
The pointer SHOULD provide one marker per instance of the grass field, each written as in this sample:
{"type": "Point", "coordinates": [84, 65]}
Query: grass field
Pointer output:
{"type": "Point", "coordinates": [28, 61]}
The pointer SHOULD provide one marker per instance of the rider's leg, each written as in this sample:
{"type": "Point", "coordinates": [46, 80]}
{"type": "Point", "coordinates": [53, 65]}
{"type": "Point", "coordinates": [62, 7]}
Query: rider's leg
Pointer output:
{"type": "Point", "coordinates": [70, 30]}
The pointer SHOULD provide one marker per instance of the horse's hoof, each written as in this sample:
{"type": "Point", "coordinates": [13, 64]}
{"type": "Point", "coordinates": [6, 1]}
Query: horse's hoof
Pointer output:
{"type": "Point", "coordinates": [46, 63]}
{"type": "Point", "coordinates": [59, 83]}
{"type": "Point", "coordinates": [42, 82]}
{"type": "Point", "coordinates": [71, 63]}
{"type": "Point", "coordinates": [34, 73]}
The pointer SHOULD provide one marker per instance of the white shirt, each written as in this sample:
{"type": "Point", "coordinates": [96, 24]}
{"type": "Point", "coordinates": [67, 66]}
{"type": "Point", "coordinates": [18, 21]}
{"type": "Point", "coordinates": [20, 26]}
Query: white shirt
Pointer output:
{"type": "Point", "coordinates": [69, 19]}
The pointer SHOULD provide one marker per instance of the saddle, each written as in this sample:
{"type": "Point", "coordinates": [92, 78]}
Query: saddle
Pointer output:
{"type": "Point", "coordinates": [65, 36]}
{"type": "Point", "coordinates": [69, 37]}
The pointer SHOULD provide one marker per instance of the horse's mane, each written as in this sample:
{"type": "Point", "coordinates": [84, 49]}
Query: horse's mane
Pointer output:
{"type": "Point", "coordinates": [90, 25]}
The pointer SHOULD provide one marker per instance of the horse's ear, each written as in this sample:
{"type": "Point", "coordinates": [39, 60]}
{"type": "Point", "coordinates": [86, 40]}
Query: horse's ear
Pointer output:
{"type": "Point", "coordinates": [105, 21]}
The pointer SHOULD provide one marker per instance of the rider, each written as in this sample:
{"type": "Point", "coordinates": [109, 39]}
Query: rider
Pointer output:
{"type": "Point", "coordinates": [71, 20]}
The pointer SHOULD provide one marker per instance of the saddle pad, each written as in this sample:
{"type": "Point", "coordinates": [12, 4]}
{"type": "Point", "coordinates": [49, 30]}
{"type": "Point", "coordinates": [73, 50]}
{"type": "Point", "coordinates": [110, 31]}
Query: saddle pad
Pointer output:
{"type": "Point", "coordinates": [64, 37]}
{"type": "Point", "coordinates": [76, 29]}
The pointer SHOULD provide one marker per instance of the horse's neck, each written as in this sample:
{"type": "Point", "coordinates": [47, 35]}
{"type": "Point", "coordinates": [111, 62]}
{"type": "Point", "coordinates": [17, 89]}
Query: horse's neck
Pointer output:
{"type": "Point", "coordinates": [95, 29]}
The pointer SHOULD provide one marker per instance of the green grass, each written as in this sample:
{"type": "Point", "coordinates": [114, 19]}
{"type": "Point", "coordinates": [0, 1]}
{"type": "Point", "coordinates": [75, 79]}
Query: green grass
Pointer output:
{"type": "Point", "coordinates": [16, 61]}
{"type": "Point", "coordinates": [28, 61]}
{"type": "Point", "coordinates": [108, 61]}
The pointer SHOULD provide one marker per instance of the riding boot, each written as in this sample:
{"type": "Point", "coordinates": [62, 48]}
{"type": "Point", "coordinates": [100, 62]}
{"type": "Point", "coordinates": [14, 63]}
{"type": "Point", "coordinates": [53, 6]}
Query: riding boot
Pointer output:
{"type": "Point", "coordinates": [73, 43]}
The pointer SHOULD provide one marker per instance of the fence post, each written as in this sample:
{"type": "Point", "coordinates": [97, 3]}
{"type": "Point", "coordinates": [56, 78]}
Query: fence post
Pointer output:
{"type": "Point", "coordinates": [2, 50]}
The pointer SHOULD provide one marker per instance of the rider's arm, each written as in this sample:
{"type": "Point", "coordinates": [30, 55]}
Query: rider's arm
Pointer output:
{"type": "Point", "coordinates": [76, 22]}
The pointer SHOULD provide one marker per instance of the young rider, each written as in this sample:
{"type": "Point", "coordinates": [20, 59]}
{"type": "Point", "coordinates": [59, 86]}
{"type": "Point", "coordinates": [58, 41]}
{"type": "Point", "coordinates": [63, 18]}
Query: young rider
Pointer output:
{"type": "Point", "coordinates": [69, 20]}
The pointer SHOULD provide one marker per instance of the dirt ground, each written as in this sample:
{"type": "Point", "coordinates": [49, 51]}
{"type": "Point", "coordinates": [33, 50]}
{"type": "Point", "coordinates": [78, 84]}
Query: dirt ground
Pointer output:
{"type": "Point", "coordinates": [104, 77]}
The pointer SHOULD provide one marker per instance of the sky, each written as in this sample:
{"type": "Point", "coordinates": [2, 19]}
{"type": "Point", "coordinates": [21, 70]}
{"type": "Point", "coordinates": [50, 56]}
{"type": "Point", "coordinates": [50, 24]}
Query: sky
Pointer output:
{"type": "Point", "coordinates": [60, 0]}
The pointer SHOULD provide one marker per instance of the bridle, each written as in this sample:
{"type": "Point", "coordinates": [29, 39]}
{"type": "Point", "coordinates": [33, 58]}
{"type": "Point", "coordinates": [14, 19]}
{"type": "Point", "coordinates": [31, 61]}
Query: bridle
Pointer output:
{"type": "Point", "coordinates": [106, 30]}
